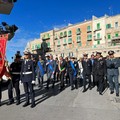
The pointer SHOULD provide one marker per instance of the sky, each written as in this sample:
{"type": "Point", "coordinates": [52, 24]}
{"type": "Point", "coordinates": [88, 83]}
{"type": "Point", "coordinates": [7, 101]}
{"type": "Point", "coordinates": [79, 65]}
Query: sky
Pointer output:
{"type": "Point", "coordinates": [36, 16]}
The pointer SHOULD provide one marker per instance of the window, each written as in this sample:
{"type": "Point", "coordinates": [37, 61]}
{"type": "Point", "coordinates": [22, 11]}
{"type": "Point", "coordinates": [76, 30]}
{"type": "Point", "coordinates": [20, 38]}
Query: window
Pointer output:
{"type": "Point", "coordinates": [88, 28]}
{"type": "Point", "coordinates": [48, 43]}
{"type": "Point", "coordinates": [114, 44]}
{"type": "Point", "coordinates": [38, 46]}
{"type": "Point", "coordinates": [69, 40]}
{"type": "Point", "coordinates": [58, 43]}
{"type": "Point", "coordinates": [61, 35]}
{"type": "Point", "coordinates": [65, 34]}
{"type": "Point", "coordinates": [116, 35]}
{"type": "Point", "coordinates": [98, 35]}
{"type": "Point", "coordinates": [69, 33]}
{"type": "Point", "coordinates": [78, 31]}
{"type": "Point", "coordinates": [108, 26]}
{"type": "Point", "coordinates": [98, 42]}
{"type": "Point", "coordinates": [64, 42]}
{"type": "Point", "coordinates": [108, 36]}
{"type": "Point", "coordinates": [78, 38]}
{"type": "Point", "coordinates": [98, 26]}
{"type": "Point", "coordinates": [89, 37]}
{"type": "Point", "coordinates": [116, 24]}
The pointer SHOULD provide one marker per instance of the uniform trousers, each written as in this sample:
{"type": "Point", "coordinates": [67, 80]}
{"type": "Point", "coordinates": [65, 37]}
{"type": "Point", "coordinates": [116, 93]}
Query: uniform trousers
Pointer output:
{"type": "Point", "coordinates": [28, 88]}
{"type": "Point", "coordinates": [113, 80]}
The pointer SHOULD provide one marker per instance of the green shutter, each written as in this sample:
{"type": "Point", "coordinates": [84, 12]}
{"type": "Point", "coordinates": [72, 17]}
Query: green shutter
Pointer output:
{"type": "Point", "coordinates": [64, 42]}
{"type": "Point", "coordinates": [33, 47]}
{"type": "Point", "coordinates": [61, 35]}
{"type": "Point", "coordinates": [65, 34]}
{"type": "Point", "coordinates": [98, 35]}
{"type": "Point", "coordinates": [108, 36]}
{"type": "Point", "coordinates": [98, 26]}
{"type": "Point", "coordinates": [88, 28]}
{"type": "Point", "coordinates": [39, 46]}
{"type": "Point", "coordinates": [116, 34]}
{"type": "Point", "coordinates": [48, 43]}
{"type": "Point", "coordinates": [98, 42]}
{"type": "Point", "coordinates": [78, 38]}
{"type": "Point", "coordinates": [108, 26]}
{"type": "Point", "coordinates": [69, 40]}
{"type": "Point", "coordinates": [89, 37]}
{"type": "Point", "coordinates": [69, 33]}
{"type": "Point", "coordinates": [78, 31]}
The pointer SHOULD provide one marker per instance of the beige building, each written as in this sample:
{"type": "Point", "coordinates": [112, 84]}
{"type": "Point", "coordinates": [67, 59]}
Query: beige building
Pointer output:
{"type": "Point", "coordinates": [98, 34]}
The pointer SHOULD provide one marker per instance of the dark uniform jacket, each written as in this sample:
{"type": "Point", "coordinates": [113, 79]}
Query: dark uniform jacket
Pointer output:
{"type": "Point", "coordinates": [15, 69]}
{"type": "Point", "coordinates": [112, 66]}
{"type": "Point", "coordinates": [27, 71]}
{"type": "Point", "coordinates": [99, 67]}
{"type": "Point", "coordinates": [87, 67]}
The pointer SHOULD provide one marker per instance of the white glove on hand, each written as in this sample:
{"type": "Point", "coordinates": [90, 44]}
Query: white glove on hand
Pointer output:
{"type": "Point", "coordinates": [20, 82]}
{"type": "Point", "coordinates": [33, 82]}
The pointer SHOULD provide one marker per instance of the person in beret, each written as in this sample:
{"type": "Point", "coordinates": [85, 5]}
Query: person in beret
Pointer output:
{"type": "Point", "coordinates": [112, 72]}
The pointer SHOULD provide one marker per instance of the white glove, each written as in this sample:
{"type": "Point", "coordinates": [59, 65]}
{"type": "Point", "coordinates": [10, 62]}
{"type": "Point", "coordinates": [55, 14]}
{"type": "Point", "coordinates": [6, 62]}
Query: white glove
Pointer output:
{"type": "Point", "coordinates": [20, 82]}
{"type": "Point", "coordinates": [33, 82]}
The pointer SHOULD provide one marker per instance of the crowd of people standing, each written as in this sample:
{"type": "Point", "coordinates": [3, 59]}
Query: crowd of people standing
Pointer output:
{"type": "Point", "coordinates": [69, 71]}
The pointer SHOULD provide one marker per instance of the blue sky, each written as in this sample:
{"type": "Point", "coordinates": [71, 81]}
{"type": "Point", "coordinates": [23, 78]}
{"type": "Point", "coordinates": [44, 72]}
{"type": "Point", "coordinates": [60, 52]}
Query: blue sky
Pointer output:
{"type": "Point", "coordinates": [36, 16]}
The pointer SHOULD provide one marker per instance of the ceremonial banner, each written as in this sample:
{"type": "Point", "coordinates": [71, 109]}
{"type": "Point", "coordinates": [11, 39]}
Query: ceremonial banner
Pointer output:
{"type": "Point", "coordinates": [3, 42]}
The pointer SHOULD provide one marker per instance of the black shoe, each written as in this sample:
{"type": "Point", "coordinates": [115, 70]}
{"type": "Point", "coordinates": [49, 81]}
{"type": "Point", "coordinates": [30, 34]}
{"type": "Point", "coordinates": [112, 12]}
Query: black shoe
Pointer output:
{"type": "Point", "coordinates": [26, 104]}
{"type": "Point", "coordinates": [111, 92]}
{"type": "Point", "coordinates": [32, 106]}
{"type": "Point", "coordinates": [100, 93]}
{"type": "Point", "coordinates": [90, 88]}
{"type": "Point", "coordinates": [18, 102]}
{"type": "Point", "coordinates": [10, 102]}
{"type": "Point", "coordinates": [72, 88]}
{"type": "Point", "coordinates": [117, 94]}
{"type": "Point", "coordinates": [0, 103]}
{"type": "Point", "coordinates": [84, 90]}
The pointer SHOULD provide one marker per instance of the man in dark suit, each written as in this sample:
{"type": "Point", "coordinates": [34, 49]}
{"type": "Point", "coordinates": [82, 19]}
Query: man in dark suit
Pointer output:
{"type": "Point", "coordinates": [51, 67]}
{"type": "Point", "coordinates": [99, 70]}
{"type": "Point", "coordinates": [87, 70]}
{"type": "Point", "coordinates": [62, 69]}
{"type": "Point", "coordinates": [28, 78]}
{"type": "Point", "coordinates": [73, 68]}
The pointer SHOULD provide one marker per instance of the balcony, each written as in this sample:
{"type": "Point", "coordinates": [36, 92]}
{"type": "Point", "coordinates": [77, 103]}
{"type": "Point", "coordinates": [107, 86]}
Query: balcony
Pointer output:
{"type": "Point", "coordinates": [46, 37]}
{"type": "Point", "coordinates": [78, 32]}
{"type": "Point", "coordinates": [115, 39]}
{"type": "Point", "coordinates": [97, 29]}
{"type": "Point", "coordinates": [97, 39]}
{"type": "Point", "coordinates": [88, 31]}
{"type": "Point", "coordinates": [89, 39]}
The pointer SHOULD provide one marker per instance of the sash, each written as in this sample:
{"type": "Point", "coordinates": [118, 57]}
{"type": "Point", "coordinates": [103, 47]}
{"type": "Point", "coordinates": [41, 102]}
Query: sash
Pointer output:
{"type": "Point", "coordinates": [50, 67]}
{"type": "Point", "coordinates": [41, 68]}
{"type": "Point", "coordinates": [72, 65]}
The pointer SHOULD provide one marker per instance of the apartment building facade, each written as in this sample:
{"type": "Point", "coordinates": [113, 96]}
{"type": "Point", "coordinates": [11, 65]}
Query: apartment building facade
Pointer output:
{"type": "Point", "coordinates": [98, 34]}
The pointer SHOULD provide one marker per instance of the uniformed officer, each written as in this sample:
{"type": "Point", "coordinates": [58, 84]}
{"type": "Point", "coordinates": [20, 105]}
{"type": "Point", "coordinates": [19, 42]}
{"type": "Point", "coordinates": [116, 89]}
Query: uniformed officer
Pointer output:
{"type": "Point", "coordinates": [99, 71]}
{"type": "Point", "coordinates": [28, 78]}
{"type": "Point", "coordinates": [87, 70]}
{"type": "Point", "coordinates": [113, 72]}
{"type": "Point", "coordinates": [15, 69]}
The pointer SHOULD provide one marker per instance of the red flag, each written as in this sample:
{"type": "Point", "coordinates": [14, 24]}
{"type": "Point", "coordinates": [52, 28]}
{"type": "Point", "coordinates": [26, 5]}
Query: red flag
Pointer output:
{"type": "Point", "coordinates": [3, 42]}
